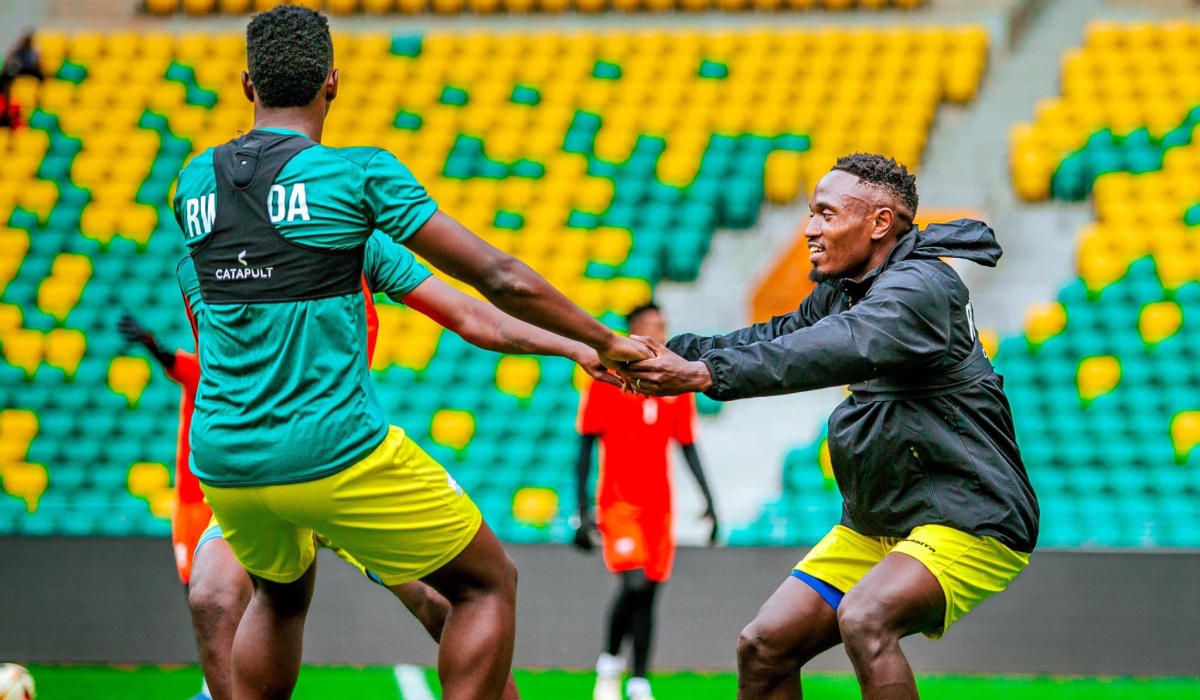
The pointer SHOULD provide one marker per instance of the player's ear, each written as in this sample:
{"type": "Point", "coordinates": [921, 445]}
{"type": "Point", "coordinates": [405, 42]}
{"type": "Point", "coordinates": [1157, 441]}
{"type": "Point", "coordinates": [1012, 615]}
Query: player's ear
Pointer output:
{"type": "Point", "coordinates": [331, 85]}
{"type": "Point", "coordinates": [884, 217]}
{"type": "Point", "coordinates": [247, 86]}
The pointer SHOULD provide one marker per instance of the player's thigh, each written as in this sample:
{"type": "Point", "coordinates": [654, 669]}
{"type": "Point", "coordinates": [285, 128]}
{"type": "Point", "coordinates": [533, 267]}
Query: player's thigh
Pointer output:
{"type": "Point", "coordinates": [397, 512]}
{"type": "Point", "coordinates": [219, 583]}
{"type": "Point", "coordinates": [482, 568]}
{"type": "Point", "coordinates": [623, 541]}
{"type": "Point", "coordinates": [968, 569]}
{"type": "Point", "coordinates": [792, 627]}
{"type": "Point", "coordinates": [659, 538]}
{"type": "Point", "coordinates": [842, 558]}
{"type": "Point", "coordinates": [267, 544]}
{"type": "Point", "coordinates": [899, 597]}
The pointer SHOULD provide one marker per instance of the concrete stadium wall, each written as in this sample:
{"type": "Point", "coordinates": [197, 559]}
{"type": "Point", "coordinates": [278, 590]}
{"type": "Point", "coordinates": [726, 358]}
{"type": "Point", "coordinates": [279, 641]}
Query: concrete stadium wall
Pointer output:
{"type": "Point", "coordinates": [1073, 612]}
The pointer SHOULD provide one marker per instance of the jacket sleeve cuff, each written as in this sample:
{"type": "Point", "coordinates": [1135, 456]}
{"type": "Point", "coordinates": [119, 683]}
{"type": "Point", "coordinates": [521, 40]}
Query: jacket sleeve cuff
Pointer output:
{"type": "Point", "coordinates": [720, 379]}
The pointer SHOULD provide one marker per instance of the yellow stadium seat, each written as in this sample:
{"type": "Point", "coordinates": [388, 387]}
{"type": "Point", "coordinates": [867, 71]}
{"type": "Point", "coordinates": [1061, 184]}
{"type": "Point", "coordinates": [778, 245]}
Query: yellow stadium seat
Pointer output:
{"type": "Point", "coordinates": [65, 348]}
{"type": "Point", "coordinates": [23, 349]}
{"type": "Point", "coordinates": [10, 318]}
{"type": "Point", "coordinates": [447, 7]}
{"type": "Point", "coordinates": [58, 297]}
{"type": "Point", "coordinates": [1097, 376]}
{"type": "Point", "coordinates": [199, 7]}
{"type": "Point", "coordinates": [343, 7]}
{"type": "Point", "coordinates": [591, 5]}
{"type": "Point", "coordinates": [535, 506]}
{"type": "Point", "coordinates": [310, 4]}
{"type": "Point", "coordinates": [264, 5]}
{"type": "Point", "coordinates": [25, 481]}
{"type": "Point", "coordinates": [18, 424]}
{"type": "Point", "coordinates": [146, 478]}
{"type": "Point", "coordinates": [128, 377]}
{"type": "Point", "coordinates": [518, 376]}
{"type": "Point", "coordinates": [782, 176]}
{"type": "Point", "coordinates": [1044, 321]}
{"type": "Point", "coordinates": [162, 503]}
{"type": "Point", "coordinates": [452, 428]}
{"type": "Point", "coordinates": [234, 7]}
{"type": "Point", "coordinates": [72, 266]}
{"type": "Point", "coordinates": [162, 7]}
{"type": "Point", "coordinates": [1185, 433]}
{"type": "Point", "coordinates": [1158, 321]}
{"type": "Point", "coordinates": [609, 246]}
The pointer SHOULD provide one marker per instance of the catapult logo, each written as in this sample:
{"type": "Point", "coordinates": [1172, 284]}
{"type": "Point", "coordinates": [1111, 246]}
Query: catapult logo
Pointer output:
{"type": "Point", "coordinates": [244, 272]}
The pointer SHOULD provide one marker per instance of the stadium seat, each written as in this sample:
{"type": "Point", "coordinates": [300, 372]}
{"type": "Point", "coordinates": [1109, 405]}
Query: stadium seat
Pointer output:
{"type": "Point", "coordinates": [452, 428]}
{"type": "Point", "coordinates": [535, 506]}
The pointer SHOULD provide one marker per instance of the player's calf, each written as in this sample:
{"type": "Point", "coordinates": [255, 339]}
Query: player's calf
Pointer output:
{"type": "Point", "coordinates": [218, 594]}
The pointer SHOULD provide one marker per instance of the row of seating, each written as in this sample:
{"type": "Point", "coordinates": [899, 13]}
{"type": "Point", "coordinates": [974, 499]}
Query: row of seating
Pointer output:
{"type": "Point", "coordinates": [342, 7]}
{"type": "Point", "coordinates": [602, 200]}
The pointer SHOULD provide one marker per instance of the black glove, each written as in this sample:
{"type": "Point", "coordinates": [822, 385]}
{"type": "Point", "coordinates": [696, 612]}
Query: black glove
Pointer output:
{"type": "Point", "coordinates": [135, 333]}
{"type": "Point", "coordinates": [583, 534]}
{"type": "Point", "coordinates": [711, 515]}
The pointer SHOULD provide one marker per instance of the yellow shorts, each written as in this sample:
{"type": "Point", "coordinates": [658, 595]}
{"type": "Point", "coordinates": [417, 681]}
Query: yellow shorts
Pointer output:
{"type": "Point", "coordinates": [397, 513]}
{"type": "Point", "coordinates": [970, 569]}
{"type": "Point", "coordinates": [213, 532]}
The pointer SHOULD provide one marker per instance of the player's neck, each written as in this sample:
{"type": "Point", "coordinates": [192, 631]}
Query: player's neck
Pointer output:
{"type": "Point", "coordinates": [305, 120]}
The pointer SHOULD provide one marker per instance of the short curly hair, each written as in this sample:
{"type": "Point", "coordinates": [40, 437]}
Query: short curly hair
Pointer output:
{"type": "Point", "coordinates": [289, 53]}
{"type": "Point", "coordinates": [885, 173]}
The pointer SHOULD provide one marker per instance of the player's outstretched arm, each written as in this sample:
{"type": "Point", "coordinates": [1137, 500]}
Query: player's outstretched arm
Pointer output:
{"type": "Point", "coordinates": [583, 469]}
{"type": "Point", "coordinates": [134, 332]}
{"type": "Point", "coordinates": [485, 326]}
{"type": "Point", "coordinates": [690, 346]}
{"type": "Point", "coordinates": [515, 288]}
{"type": "Point", "coordinates": [710, 511]}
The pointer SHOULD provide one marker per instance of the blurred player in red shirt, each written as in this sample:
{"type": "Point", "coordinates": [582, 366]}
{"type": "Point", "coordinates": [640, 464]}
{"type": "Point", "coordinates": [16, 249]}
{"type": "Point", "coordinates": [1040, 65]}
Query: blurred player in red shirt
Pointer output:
{"type": "Point", "coordinates": [633, 505]}
{"type": "Point", "coordinates": [191, 514]}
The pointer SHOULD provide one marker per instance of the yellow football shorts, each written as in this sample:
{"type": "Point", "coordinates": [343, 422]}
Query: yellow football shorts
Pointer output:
{"type": "Point", "coordinates": [970, 569]}
{"type": "Point", "coordinates": [213, 532]}
{"type": "Point", "coordinates": [397, 513]}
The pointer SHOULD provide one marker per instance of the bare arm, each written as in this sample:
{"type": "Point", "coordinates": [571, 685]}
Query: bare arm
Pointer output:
{"type": "Point", "coordinates": [515, 288]}
{"type": "Point", "coordinates": [485, 326]}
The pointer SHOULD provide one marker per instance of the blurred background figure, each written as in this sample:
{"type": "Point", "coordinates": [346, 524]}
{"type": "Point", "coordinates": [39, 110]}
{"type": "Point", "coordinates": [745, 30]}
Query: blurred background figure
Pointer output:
{"type": "Point", "coordinates": [633, 506]}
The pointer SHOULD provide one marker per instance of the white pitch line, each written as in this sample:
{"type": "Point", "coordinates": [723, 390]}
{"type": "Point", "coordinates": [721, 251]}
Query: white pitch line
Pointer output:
{"type": "Point", "coordinates": [413, 685]}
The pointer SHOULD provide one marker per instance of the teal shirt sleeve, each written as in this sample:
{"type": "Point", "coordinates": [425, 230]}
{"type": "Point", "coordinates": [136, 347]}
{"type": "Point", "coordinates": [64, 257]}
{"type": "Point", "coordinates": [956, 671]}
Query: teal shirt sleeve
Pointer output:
{"type": "Point", "coordinates": [394, 201]}
{"type": "Point", "coordinates": [391, 269]}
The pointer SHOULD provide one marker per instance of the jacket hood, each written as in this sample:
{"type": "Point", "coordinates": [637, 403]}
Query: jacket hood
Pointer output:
{"type": "Point", "coordinates": [964, 238]}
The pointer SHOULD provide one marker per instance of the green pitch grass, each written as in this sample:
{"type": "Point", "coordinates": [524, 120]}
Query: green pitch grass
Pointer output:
{"type": "Point", "coordinates": [370, 683]}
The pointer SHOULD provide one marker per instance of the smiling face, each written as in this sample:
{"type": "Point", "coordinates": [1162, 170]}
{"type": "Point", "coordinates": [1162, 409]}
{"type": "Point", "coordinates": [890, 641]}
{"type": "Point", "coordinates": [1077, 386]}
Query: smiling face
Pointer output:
{"type": "Point", "coordinates": [851, 229]}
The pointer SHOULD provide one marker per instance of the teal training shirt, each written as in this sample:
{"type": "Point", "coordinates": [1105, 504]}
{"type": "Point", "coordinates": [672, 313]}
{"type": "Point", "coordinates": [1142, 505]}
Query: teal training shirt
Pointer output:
{"type": "Point", "coordinates": [285, 392]}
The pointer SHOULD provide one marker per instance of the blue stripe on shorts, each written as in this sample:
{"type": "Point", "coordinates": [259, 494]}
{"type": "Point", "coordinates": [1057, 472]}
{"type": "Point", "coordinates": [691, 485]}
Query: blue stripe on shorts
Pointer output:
{"type": "Point", "coordinates": [211, 533]}
{"type": "Point", "coordinates": [827, 592]}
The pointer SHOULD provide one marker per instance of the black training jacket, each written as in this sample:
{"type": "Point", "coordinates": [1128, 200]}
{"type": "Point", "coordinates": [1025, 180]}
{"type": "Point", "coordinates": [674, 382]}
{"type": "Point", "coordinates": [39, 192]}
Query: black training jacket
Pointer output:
{"type": "Point", "coordinates": [926, 435]}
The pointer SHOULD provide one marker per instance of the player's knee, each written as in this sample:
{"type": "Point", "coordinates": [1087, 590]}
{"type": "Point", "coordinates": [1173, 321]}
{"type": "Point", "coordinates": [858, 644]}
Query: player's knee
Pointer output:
{"type": "Point", "coordinates": [210, 601]}
{"type": "Point", "coordinates": [865, 626]}
{"type": "Point", "coordinates": [759, 655]}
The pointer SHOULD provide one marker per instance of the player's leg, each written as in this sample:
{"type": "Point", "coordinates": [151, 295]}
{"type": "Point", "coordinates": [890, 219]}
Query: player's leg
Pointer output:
{"type": "Point", "coordinates": [641, 630]}
{"type": "Point", "coordinates": [404, 518]}
{"type": "Point", "coordinates": [280, 558]}
{"type": "Point", "coordinates": [793, 626]}
{"type": "Point", "coordinates": [476, 646]}
{"type": "Point", "coordinates": [431, 609]}
{"type": "Point", "coordinates": [799, 621]}
{"type": "Point", "coordinates": [624, 549]}
{"type": "Point", "coordinates": [270, 637]}
{"type": "Point", "coordinates": [218, 595]}
{"type": "Point", "coordinates": [659, 543]}
{"type": "Point", "coordinates": [928, 581]}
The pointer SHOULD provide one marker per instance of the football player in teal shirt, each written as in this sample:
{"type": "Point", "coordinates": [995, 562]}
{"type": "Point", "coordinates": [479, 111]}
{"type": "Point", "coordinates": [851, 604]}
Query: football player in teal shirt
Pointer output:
{"type": "Point", "coordinates": [288, 438]}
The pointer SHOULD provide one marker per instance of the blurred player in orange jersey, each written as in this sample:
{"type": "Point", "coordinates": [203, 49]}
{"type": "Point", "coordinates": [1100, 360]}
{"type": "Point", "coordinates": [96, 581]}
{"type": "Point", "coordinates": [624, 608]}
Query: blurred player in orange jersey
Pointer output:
{"type": "Point", "coordinates": [191, 514]}
{"type": "Point", "coordinates": [633, 499]}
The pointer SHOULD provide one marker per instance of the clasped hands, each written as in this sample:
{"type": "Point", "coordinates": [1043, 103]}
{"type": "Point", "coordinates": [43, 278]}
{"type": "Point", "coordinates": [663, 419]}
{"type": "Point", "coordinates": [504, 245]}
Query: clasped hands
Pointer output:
{"type": "Point", "coordinates": [657, 371]}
